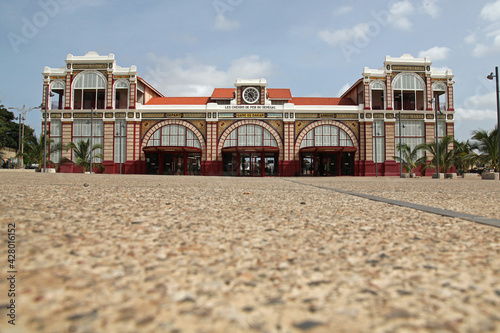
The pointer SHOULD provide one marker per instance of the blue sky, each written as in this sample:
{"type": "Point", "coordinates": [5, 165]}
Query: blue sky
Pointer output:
{"type": "Point", "coordinates": [315, 48]}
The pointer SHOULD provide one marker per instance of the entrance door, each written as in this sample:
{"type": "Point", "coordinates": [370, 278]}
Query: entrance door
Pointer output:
{"type": "Point", "coordinates": [271, 164]}
{"type": "Point", "coordinates": [307, 161]}
{"type": "Point", "coordinates": [327, 164]}
{"type": "Point", "coordinates": [168, 164]}
{"type": "Point", "coordinates": [250, 164]}
{"type": "Point", "coordinates": [347, 164]}
{"type": "Point", "coordinates": [153, 164]}
{"type": "Point", "coordinates": [179, 164]}
{"type": "Point", "coordinates": [245, 165]}
{"type": "Point", "coordinates": [194, 164]}
{"type": "Point", "coordinates": [256, 167]}
{"type": "Point", "coordinates": [230, 164]}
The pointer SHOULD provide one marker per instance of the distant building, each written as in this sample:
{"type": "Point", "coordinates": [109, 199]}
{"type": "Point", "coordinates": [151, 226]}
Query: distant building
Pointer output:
{"type": "Point", "coordinates": [249, 129]}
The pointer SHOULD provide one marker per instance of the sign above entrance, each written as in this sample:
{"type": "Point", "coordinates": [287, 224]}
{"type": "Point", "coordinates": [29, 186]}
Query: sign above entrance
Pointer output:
{"type": "Point", "coordinates": [250, 115]}
{"type": "Point", "coordinates": [250, 107]}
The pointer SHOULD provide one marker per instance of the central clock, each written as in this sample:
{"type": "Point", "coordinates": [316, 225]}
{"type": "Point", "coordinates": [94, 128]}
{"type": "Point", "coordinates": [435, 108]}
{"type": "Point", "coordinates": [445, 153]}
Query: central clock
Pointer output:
{"type": "Point", "coordinates": [251, 95]}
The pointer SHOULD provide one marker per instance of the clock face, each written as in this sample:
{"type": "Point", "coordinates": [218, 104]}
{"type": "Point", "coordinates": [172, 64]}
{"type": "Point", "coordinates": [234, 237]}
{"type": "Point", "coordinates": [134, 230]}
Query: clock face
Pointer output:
{"type": "Point", "coordinates": [251, 95]}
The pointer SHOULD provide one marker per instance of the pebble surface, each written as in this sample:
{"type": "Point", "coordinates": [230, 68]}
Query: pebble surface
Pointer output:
{"type": "Point", "coordinates": [137, 253]}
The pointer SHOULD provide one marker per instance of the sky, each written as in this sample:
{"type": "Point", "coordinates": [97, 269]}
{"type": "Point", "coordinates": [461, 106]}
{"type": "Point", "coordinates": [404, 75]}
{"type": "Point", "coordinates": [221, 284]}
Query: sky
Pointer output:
{"type": "Point", "coordinates": [315, 47]}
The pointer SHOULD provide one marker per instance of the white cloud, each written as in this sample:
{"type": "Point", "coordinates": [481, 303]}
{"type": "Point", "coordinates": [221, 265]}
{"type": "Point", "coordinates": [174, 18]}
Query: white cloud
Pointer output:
{"type": "Point", "coordinates": [344, 35]}
{"type": "Point", "coordinates": [431, 8]}
{"type": "Point", "coordinates": [343, 89]}
{"type": "Point", "coordinates": [485, 101]}
{"type": "Point", "coordinates": [482, 50]}
{"type": "Point", "coordinates": [471, 38]}
{"type": "Point", "coordinates": [224, 24]}
{"type": "Point", "coordinates": [343, 10]}
{"type": "Point", "coordinates": [475, 114]}
{"type": "Point", "coordinates": [190, 77]}
{"type": "Point", "coordinates": [396, 16]}
{"type": "Point", "coordinates": [491, 11]}
{"type": "Point", "coordinates": [435, 53]}
{"type": "Point", "coordinates": [399, 13]}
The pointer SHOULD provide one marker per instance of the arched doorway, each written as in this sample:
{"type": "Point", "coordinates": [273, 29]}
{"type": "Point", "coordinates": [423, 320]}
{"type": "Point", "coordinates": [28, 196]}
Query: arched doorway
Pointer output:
{"type": "Point", "coordinates": [173, 148]}
{"type": "Point", "coordinates": [327, 149]}
{"type": "Point", "coordinates": [251, 149]}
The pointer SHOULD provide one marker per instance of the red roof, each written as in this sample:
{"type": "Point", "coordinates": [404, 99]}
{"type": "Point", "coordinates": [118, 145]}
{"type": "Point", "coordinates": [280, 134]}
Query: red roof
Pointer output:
{"type": "Point", "coordinates": [280, 94]}
{"type": "Point", "coordinates": [223, 93]}
{"type": "Point", "coordinates": [321, 101]}
{"type": "Point", "coordinates": [178, 101]}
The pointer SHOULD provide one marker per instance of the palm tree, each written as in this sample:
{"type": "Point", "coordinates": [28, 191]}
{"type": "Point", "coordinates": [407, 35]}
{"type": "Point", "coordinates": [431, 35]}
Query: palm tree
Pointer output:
{"type": "Point", "coordinates": [486, 143]}
{"type": "Point", "coordinates": [82, 153]}
{"type": "Point", "coordinates": [35, 151]}
{"type": "Point", "coordinates": [409, 158]}
{"type": "Point", "coordinates": [465, 156]}
{"type": "Point", "coordinates": [446, 156]}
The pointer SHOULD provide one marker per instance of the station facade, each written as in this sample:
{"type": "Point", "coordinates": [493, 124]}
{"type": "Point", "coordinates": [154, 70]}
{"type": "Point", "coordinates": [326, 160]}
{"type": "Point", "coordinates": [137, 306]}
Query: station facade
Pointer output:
{"type": "Point", "coordinates": [249, 129]}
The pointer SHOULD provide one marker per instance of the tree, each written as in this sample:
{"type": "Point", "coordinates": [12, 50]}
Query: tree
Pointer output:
{"type": "Point", "coordinates": [409, 158]}
{"type": "Point", "coordinates": [82, 152]}
{"type": "Point", "coordinates": [9, 129]}
{"type": "Point", "coordinates": [464, 156]}
{"type": "Point", "coordinates": [446, 156]}
{"type": "Point", "coordinates": [486, 143]}
{"type": "Point", "coordinates": [34, 151]}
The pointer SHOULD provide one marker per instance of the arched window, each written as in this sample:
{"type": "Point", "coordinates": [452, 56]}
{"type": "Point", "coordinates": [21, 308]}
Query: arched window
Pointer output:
{"type": "Point", "coordinates": [378, 95]}
{"type": "Point", "coordinates": [121, 94]}
{"type": "Point", "coordinates": [439, 92]}
{"type": "Point", "coordinates": [250, 136]}
{"type": "Point", "coordinates": [174, 136]}
{"type": "Point", "coordinates": [57, 96]}
{"type": "Point", "coordinates": [408, 92]}
{"type": "Point", "coordinates": [326, 136]}
{"type": "Point", "coordinates": [89, 91]}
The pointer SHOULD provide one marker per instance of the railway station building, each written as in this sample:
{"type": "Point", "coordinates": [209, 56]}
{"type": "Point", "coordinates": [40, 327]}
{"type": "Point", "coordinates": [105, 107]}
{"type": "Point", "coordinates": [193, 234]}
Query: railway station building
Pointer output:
{"type": "Point", "coordinates": [249, 129]}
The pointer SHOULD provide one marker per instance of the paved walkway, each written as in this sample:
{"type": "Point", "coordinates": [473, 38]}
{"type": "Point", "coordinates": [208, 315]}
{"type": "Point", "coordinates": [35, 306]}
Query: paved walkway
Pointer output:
{"type": "Point", "coordinates": [99, 253]}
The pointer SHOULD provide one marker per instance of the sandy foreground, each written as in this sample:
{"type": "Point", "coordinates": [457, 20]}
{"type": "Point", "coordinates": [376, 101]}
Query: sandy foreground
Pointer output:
{"type": "Point", "coordinates": [137, 253]}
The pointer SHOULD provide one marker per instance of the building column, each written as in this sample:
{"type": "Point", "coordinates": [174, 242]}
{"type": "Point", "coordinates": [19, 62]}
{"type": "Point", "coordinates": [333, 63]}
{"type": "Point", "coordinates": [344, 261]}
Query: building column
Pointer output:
{"type": "Point", "coordinates": [68, 103]}
{"type": "Point", "coordinates": [109, 93]}
{"type": "Point", "coordinates": [428, 93]}
{"type": "Point", "coordinates": [132, 92]}
{"type": "Point", "coordinates": [367, 96]}
{"type": "Point", "coordinates": [391, 168]}
{"type": "Point", "coordinates": [369, 161]}
{"type": "Point", "coordinates": [108, 145]}
{"type": "Point", "coordinates": [388, 91]}
{"type": "Point", "coordinates": [451, 106]}
{"type": "Point", "coordinates": [289, 162]}
{"type": "Point", "coordinates": [212, 160]}
{"type": "Point", "coordinates": [430, 136]}
{"type": "Point", "coordinates": [133, 147]}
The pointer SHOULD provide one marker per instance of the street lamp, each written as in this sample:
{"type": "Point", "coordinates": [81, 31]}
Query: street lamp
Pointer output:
{"type": "Point", "coordinates": [400, 149]}
{"type": "Point", "coordinates": [120, 140]}
{"type": "Point", "coordinates": [376, 157]}
{"type": "Point", "coordinates": [490, 77]}
{"type": "Point", "coordinates": [435, 101]}
{"type": "Point", "coordinates": [22, 117]}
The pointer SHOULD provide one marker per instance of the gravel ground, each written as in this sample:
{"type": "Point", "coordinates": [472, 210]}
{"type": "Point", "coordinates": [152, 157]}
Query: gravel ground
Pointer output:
{"type": "Point", "coordinates": [110, 253]}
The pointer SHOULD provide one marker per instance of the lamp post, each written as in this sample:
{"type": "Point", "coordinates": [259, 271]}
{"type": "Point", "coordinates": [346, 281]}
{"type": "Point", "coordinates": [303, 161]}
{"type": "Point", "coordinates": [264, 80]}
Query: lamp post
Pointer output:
{"type": "Point", "coordinates": [376, 163]}
{"type": "Point", "coordinates": [91, 136]}
{"type": "Point", "coordinates": [120, 140]}
{"type": "Point", "coordinates": [435, 101]}
{"type": "Point", "coordinates": [45, 129]}
{"type": "Point", "coordinates": [490, 77]}
{"type": "Point", "coordinates": [22, 117]}
{"type": "Point", "coordinates": [400, 155]}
